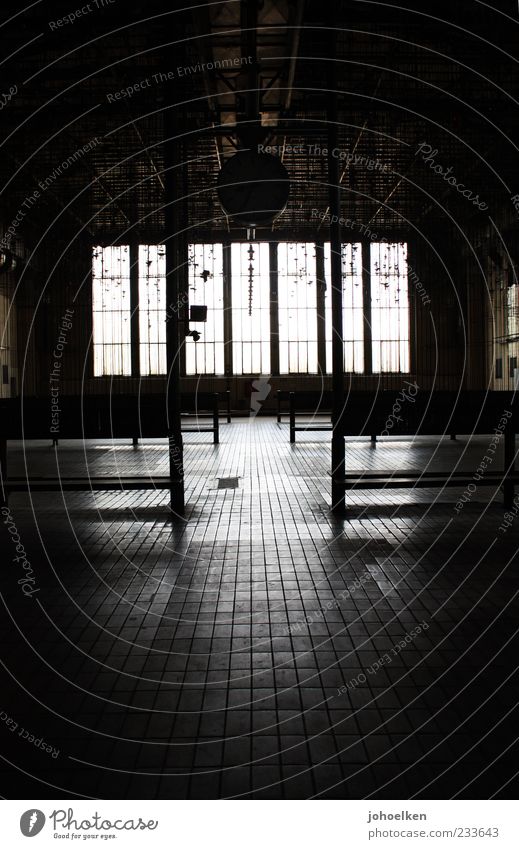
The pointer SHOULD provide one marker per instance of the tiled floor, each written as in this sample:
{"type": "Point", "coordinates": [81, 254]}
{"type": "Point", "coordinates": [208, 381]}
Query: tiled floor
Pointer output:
{"type": "Point", "coordinates": [254, 649]}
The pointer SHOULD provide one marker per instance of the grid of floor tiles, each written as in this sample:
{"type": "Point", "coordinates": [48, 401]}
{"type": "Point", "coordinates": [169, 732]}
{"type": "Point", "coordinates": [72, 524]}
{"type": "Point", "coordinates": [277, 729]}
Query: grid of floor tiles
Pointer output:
{"type": "Point", "coordinates": [262, 648]}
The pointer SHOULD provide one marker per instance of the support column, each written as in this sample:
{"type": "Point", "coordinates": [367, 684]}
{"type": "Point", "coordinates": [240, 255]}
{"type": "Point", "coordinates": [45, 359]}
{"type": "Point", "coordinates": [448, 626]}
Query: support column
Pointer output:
{"type": "Point", "coordinates": [274, 311]}
{"type": "Point", "coordinates": [321, 306]}
{"type": "Point", "coordinates": [366, 315]}
{"type": "Point", "coordinates": [338, 448]}
{"type": "Point", "coordinates": [3, 471]}
{"type": "Point", "coordinates": [176, 265]}
{"type": "Point", "coordinates": [134, 308]}
{"type": "Point", "coordinates": [366, 307]}
{"type": "Point", "coordinates": [227, 310]}
{"type": "Point", "coordinates": [134, 319]}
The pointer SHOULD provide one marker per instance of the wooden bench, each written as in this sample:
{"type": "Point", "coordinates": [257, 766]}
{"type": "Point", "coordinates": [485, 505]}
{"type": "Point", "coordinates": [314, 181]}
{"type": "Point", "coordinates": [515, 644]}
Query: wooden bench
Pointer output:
{"type": "Point", "coordinates": [97, 417]}
{"type": "Point", "coordinates": [303, 401]}
{"type": "Point", "coordinates": [434, 413]}
{"type": "Point", "coordinates": [83, 484]}
{"type": "Point", "coordinates": [307, 401]}
{"type": "Point", "coordinates": [415, 478]}
{"type": "Point", "coordinates": [314, 402]}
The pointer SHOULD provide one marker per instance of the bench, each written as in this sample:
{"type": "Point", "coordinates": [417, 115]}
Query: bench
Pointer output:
{"type": "Point", "coordinates": [307, 401]}
{"type": "Point", "coordinates": [97, 417]}
{"type": "Point", "coordinates": [415, 478]}
{"type": "Point", "coordinates": [435, 413]}
{"type": "Point", "coordinates": [315, 402]}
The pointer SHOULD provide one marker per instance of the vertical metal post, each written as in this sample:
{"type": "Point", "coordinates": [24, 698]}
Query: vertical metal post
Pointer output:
{"type": "Point", "coordinates": [274, 311]}
{"type": "Point", "coordinates": [321, 306]}
{"type": "Point", "coordinates": [292, 415]}
{"type": "Point", "coordinates": [134, 319]}
{"type": "Point", "coordinates": [338, 446]}
{"type": "Point", "coordinates": [176, 264]}
{"type": "Point", "coordinates": [227, 309]}
{"type": "Point", "coordinates": [366, 306]}
{"type": "Point", "coordinates": [366, 314]}
{"type": "Point", "coordinates": [228, 404]}
{"type": "Point", "coordinates": [216, 420]}
{"type": "Point", "coordinates": [3, 471]}
{"type": "Point", "coordinates": [134, 307]}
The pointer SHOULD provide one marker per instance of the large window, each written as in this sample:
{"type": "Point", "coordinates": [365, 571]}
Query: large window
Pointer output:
{"type": "Point", "coordinates": [250, 273]}
{"type": "Point", "coordinates": [297, 300]}
{"type": "Point", "coordinates": [375, 309]}
{"type": "Point", "coordinates": [206, 288]}
{"type": "Point", "coordinates": [386, 314]}
{"type": "Point", "coordinates": [512, 312]}
{"type": "Point", "coordinates": [389, 307]}
{"type": "Point", "coordinates": [353, 307]}
{"type": "Point", "coordinates": [152, 309]}
{"type": "Point", "coordinates": [111, 305]}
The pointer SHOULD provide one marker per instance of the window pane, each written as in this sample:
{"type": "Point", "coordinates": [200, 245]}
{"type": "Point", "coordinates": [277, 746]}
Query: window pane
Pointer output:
{"type": "Point", "coordinates": [152, 309]}
{"type": "Point", "coordinates": [111, 310]}
{"type": "Point", "coordinates": [206, 288]}
{"type": "Point", "coordinates": [352, 313]}
{"type": "Point", "coordinates": [512, 327]}
{"type": "Point", "coordinates": [250, 333]}
{"type": "Point", "coordinates": [297, 299]}
{"type": "Point", "coordinates": [389, 307]}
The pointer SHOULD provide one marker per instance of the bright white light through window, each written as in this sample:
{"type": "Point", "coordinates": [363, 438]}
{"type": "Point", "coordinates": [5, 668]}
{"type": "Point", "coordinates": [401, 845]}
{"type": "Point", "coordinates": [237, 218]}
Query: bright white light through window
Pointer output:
{"type": "Point", "coordinates": [297, 299]}
{"type": "Point", "coordinates": [152, 309]}
{"type": "Point", "coordinates": [352, 314]}
{"type": "Point", "coordinates": [111, 307]}
{"type": "Point", "coordinates": [512, 314]}
{"type": "Point", "coordinates": [250, 333]}
{"type": "Point", "coordinates": [206, 288]}
{"type": "Point", "coordinates": [389, 307]}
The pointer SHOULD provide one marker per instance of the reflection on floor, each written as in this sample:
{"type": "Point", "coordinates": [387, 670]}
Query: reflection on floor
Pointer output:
{"type": "Point", "coordinates": [261, 648]}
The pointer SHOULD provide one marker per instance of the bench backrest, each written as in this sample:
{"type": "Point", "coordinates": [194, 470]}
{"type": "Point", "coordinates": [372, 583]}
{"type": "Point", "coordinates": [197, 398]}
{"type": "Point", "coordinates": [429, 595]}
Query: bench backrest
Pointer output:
{"type": "Point", "coordinates": [427, 412]}
{"type": "Point", "coordinates": [94, 416]}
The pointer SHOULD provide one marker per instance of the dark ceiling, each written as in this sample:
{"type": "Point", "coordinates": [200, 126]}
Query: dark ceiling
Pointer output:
{"type": "Point", "coordinates": [432, 73]}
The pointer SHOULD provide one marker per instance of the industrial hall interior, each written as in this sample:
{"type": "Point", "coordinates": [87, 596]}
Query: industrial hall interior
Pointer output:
{"type": "Point", "coordinates": [259, 353]}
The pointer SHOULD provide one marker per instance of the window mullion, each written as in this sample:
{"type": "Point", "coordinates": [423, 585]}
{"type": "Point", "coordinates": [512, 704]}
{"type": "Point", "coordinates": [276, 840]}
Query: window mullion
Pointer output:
{"type": "Point", "coordinates": [227, 309]}
{"type": "Point", "coordinates": [321, 305]}
{"type": "Point", "coordinates": [134, 307]}
{"type": "Point", "coordinates": [274, 314]}
{"type": "Point", "coordinates": [366, 307]}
